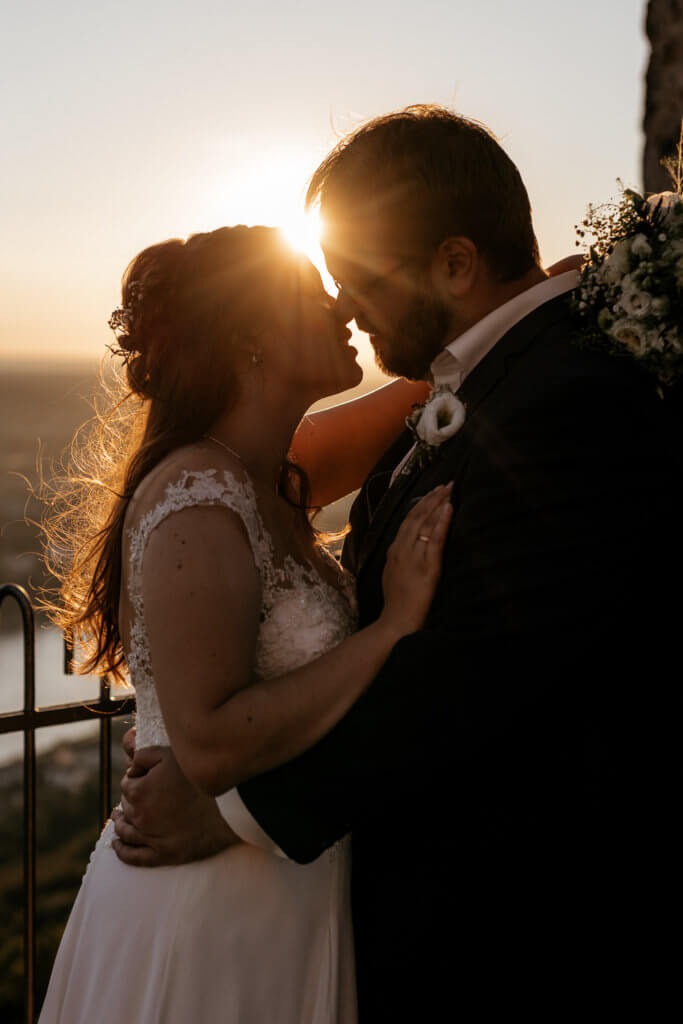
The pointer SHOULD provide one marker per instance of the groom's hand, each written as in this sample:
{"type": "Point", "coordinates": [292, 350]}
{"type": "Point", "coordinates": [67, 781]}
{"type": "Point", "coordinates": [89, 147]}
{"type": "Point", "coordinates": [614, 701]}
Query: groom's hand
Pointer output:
{"type": "Point", "coordinates": [164, 818]}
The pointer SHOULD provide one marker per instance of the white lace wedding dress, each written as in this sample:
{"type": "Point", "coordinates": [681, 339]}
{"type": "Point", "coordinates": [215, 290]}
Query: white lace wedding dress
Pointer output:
{"type": "Point", "coordinates": [244, 937]}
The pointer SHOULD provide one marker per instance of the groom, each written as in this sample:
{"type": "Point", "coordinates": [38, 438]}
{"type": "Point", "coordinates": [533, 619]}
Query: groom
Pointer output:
{"type": "Point", "coordinates": [506, 778]}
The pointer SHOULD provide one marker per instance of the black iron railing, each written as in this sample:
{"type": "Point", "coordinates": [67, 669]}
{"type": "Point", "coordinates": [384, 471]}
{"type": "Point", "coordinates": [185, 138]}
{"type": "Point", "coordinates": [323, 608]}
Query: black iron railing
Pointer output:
{"type": "Point", "coordinates": [27, 721]}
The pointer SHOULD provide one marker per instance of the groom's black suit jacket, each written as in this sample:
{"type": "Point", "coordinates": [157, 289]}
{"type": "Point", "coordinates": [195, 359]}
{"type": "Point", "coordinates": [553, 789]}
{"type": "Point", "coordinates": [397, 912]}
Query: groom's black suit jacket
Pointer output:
{"type": "Point", "coordinates": [507, 776]}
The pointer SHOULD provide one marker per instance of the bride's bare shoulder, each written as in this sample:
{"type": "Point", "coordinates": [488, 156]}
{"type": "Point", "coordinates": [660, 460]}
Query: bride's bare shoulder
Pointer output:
{"type": "Point", "coordinates": [180, 464]}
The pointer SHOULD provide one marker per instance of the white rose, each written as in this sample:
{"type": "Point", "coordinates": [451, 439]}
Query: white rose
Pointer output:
{"type": "Point", "coordinates": [669, 204]}
{"type": "Point", "coordinates": [679, 271]}
{"type": "Point", "coordinates": [673, 340]}
{"type": "Point", "coordinates": [661, 306]}
{"type": "Point", "coordinates": [640, 246]}
{"type": "Point", "coordinates": [655, 341]}
{"type": "Point", "coordinates": [442, 416]}
{"type": "Point", "coordinates": [635, 303]}
{"type": "Point", "coordinates": [605, 320]}
{"type": "Point", "coordinates": [629, 333]}
{"type": "Point", "coordinates": [617, 263]}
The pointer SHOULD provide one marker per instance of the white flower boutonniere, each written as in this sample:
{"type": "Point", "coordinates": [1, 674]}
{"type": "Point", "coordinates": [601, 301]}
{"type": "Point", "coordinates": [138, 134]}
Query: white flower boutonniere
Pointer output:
{"type": "Point", "coordinates": [441, 416]}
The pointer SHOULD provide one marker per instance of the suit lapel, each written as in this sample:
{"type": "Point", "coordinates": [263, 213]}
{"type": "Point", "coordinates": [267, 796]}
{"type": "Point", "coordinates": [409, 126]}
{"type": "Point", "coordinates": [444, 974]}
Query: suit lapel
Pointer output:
{"type": "Point", "coordinates": [371, 495]}
{"type": "Point", "coordinates": [475, 389]}
{"type": "Point", "coordinates": [392, 497]}
{"type": "Point", "coordinates": [496, 365]}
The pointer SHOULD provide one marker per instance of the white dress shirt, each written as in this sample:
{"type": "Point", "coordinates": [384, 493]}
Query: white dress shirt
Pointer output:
{"type": "Point", "coordinates": [458, 359]}
{"type": "Point", "coordinates": [451, 366]}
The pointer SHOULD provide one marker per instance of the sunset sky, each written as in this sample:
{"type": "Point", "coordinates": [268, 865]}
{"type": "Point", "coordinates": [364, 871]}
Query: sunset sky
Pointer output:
{"type": "Point", "coordinates": [126, 123]}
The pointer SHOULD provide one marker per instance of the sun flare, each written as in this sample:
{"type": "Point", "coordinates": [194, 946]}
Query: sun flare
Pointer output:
{"type": "Point", "coordinates": [271, 192]}
{"type": "Point", "coordinates": [302, 232]}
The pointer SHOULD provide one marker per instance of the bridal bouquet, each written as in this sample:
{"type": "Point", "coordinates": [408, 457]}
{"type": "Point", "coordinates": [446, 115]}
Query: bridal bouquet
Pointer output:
{"type": "Point", "coordinates": [630, 294]}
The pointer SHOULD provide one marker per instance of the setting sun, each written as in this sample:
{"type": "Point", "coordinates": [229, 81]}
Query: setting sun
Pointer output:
{"type": "Point", "coordinates": [302, 231]}
{"type": "Point", "coordinates": [271, 192]}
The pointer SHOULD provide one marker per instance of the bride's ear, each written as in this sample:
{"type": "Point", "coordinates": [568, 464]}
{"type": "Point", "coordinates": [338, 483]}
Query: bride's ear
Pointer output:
{"type": "Point", "coordinates": [456, 265]}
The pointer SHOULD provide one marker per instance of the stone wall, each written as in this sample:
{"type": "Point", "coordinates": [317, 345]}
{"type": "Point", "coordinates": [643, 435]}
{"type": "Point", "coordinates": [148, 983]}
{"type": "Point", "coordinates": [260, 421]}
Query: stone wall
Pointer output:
{"type": "Point", "coordinates": [664, 89]}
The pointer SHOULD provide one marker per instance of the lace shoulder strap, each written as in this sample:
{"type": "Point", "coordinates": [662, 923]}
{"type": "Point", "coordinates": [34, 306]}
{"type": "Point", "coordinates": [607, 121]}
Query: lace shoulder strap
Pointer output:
{"type": "Point", "coordinates": [200, 487]}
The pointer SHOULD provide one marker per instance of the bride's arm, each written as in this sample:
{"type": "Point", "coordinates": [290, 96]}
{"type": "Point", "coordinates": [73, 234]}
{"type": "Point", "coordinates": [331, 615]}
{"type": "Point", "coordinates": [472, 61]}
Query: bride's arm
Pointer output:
{"type": "Point", "coordinates": [339, 446]}
{"type": "Point", "coordinates": [202, 601]}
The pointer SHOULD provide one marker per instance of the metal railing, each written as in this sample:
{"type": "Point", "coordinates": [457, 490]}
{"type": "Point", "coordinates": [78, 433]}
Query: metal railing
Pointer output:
{"type": "Point", "coordinates": [27, 721]}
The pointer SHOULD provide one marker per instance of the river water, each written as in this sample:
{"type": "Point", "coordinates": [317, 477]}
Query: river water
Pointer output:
{"type": "Point", "coordinates": [52, 687]}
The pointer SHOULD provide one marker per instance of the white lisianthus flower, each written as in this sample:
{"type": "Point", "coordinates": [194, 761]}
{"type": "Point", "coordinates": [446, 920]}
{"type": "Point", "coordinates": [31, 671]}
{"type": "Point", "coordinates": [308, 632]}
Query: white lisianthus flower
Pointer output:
{"type": "Point", "coordinates": [669, 205]}
{"type": "Point", "coordinates": [629, 333]}
{"type": "Point", "coordinates": [640, 246]}
{"type": "Point", "coordinates": [442, 416]}
{"type": "Point", "coordinates": [635, 303]}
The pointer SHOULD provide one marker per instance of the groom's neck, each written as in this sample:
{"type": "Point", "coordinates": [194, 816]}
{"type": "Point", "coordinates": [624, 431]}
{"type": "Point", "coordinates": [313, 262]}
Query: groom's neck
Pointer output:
{"type": "Point", "coordinates": [490, 294]}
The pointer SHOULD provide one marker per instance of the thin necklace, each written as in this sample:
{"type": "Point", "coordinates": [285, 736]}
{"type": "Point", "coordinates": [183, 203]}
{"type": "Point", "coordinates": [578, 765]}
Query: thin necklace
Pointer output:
{"type": "Point", "coordinates": [227, 448]}
{"type": "Point", "coordinates": [239, 458]}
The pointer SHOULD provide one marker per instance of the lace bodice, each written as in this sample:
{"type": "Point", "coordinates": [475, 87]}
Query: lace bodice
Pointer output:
{"type": "Point", "coordinates": [302, 615]}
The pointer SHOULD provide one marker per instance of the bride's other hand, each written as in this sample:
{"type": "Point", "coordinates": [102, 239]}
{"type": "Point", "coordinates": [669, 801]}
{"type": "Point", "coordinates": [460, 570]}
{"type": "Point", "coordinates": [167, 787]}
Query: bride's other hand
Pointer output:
{"type": "Point", "coordinates": [565, 265]}
{"type": "Point", "coordinates": [165, 819]}
{"type": "Point", "coordinates": [414, 559]}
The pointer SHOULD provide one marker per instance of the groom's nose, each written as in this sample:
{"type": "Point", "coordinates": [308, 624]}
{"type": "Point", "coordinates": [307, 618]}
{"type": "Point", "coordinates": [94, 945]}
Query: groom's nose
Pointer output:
{"type": "Point", "coordinates": [345, 307]}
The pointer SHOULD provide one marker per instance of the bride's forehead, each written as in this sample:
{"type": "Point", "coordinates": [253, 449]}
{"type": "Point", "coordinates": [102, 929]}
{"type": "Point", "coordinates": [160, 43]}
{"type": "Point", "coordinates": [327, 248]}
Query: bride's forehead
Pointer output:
{"type": "Point", "coordinates": [302, 277]}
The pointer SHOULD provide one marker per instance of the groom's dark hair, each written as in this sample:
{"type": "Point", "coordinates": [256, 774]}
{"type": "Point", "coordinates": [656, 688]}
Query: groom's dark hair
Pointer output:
{"type": "Point", "coordinates": [430, 174]}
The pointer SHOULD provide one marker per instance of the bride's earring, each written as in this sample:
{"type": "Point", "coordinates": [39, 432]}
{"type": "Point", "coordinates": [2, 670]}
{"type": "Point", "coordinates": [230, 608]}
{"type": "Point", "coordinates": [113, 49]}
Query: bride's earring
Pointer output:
{"type": "Point", "coordinates": [257, 358]}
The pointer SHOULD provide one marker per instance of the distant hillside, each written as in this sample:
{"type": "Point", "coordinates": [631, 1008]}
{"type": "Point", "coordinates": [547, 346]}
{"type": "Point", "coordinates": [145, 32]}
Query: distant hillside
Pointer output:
{"type": "Point", "coordinates": [41, 406]}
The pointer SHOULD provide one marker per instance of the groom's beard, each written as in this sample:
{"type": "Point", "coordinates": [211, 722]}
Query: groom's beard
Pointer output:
{"type": "Point", "coordinates": [416, 340]}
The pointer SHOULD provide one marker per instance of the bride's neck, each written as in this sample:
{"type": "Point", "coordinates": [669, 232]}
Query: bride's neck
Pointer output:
{"type": "Point", "coordinates": [259, 431]}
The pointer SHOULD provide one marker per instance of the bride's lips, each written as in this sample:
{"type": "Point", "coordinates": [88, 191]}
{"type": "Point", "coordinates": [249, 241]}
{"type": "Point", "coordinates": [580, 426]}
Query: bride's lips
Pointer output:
{"type": "Point", "coordinates": [345, 339]}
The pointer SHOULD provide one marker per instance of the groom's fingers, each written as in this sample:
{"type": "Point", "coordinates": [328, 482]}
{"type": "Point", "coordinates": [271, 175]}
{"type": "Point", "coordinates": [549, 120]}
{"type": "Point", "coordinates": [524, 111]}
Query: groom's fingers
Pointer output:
{"type": "Point", "coordinates": [136, 856]}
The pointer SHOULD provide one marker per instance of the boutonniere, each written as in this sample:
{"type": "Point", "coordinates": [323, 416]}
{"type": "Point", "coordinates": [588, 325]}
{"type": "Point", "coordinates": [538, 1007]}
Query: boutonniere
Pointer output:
{"type": "Point", "coordinates": [441, 416]}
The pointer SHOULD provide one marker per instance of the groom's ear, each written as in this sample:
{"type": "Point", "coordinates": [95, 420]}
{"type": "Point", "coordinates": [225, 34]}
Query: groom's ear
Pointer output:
{"type": "Point", "coordinates": [457, 266]}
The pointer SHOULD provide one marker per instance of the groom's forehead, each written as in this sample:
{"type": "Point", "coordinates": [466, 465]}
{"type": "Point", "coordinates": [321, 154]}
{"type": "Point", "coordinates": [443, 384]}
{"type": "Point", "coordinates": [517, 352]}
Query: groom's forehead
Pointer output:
{"type": "Point", "coordinates": [359, 247]}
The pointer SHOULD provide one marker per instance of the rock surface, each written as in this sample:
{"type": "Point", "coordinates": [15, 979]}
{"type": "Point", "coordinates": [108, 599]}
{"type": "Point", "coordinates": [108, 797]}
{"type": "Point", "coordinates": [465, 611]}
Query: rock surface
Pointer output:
{"type": "Point", "coordinates": [664, 90]}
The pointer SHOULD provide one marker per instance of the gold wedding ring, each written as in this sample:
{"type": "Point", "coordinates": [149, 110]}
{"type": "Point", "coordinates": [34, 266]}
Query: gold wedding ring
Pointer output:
{"type": "Point", "coordinates": [424, 538]}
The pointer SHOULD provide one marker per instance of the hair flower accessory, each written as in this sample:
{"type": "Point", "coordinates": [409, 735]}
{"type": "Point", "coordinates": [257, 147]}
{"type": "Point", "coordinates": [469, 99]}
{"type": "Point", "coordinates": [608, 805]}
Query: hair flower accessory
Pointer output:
{"type": "Point", "coordinates": [441, 416]}
{"type": "Point", "coordinates": [122, 318]}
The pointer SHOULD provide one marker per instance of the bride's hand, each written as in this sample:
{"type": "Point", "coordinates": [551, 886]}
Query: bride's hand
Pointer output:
{"type": "Point", "coordinates": [413, 566]}
{"type": "Point", "coordinates": [563, 266]}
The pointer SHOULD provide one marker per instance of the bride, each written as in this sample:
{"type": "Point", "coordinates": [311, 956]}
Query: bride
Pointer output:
{"type": "Point", "coordinates": [204, 576]}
